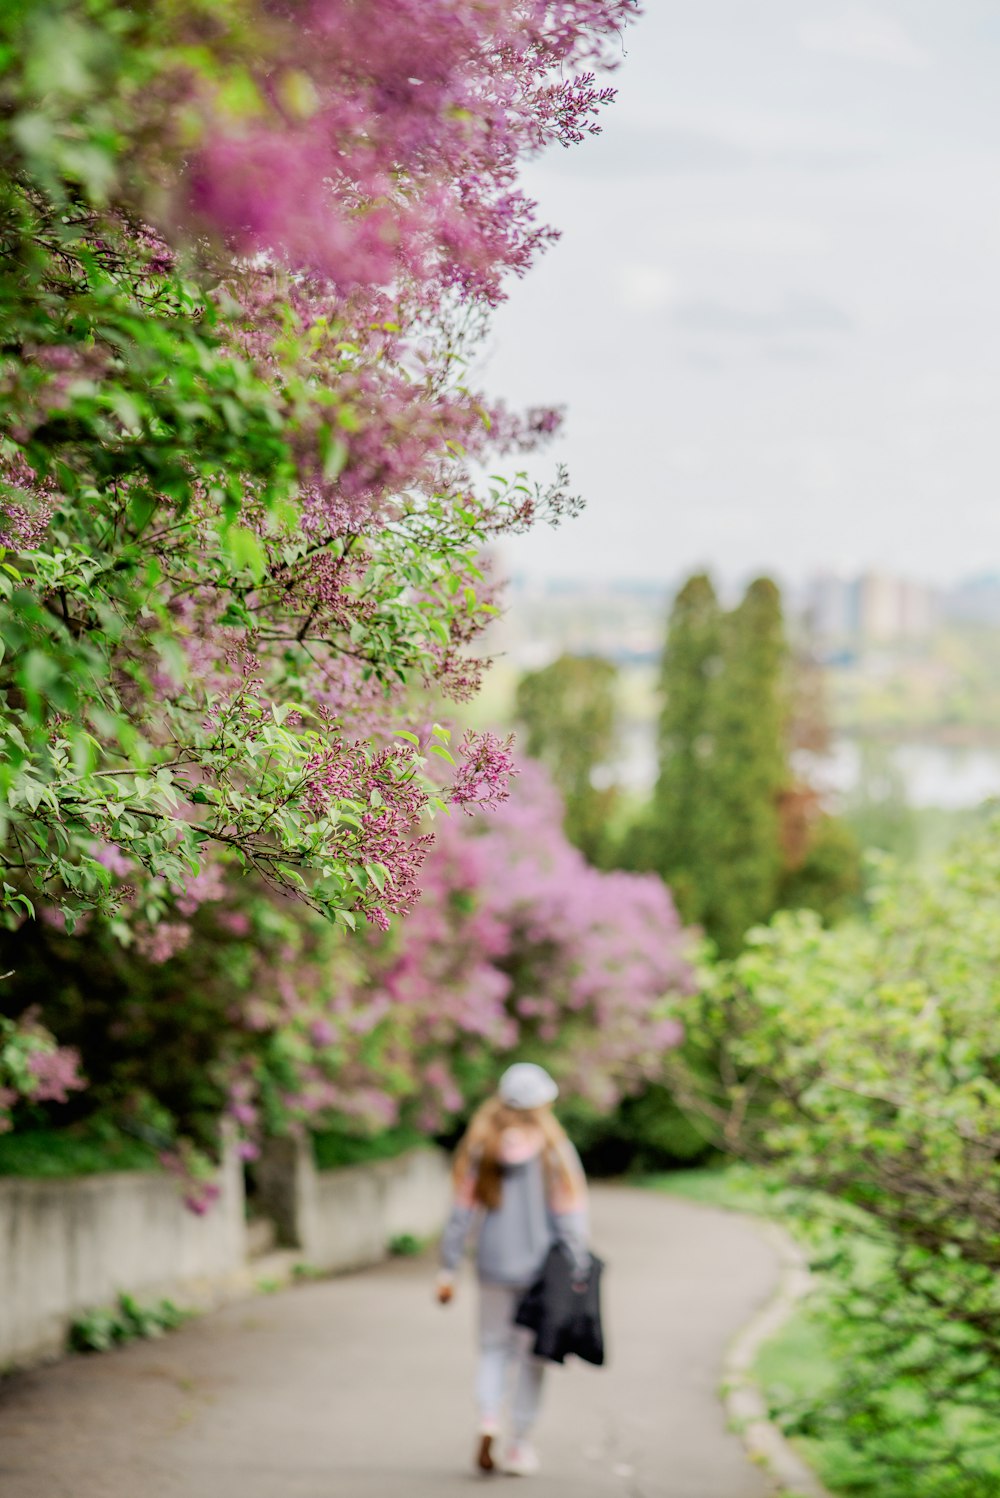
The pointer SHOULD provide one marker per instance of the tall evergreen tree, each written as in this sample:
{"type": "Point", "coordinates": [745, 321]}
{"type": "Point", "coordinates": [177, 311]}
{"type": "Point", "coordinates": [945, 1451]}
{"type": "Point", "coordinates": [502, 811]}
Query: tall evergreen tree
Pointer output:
{"type": "Point", "coordinates": [568, 711]}
{"type": "Point", "coordinates": [729, 827]}
{"type": "Point", "coordinates": [746, 767]}
{"type": "Point", "coordinates": [672, 840]}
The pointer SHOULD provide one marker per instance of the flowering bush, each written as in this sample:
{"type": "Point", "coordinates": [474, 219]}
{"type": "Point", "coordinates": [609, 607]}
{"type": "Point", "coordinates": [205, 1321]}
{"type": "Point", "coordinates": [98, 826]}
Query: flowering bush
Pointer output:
{"type": "Point", "coordinates": [520, 947]}
{"type": "Point", "coordinates": [33, 1068]}
{"type": "Point", "coordinates": [246, 252]}
{"type": "Point", "coordinates": [517, 947]}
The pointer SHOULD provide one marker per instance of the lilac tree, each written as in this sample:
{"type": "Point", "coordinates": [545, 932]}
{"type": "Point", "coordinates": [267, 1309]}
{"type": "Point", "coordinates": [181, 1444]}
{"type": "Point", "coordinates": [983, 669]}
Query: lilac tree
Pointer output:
{"type": "Point", "coordinates": [517, 946]}
{"type": "Point", "coordinates": [247, 251]}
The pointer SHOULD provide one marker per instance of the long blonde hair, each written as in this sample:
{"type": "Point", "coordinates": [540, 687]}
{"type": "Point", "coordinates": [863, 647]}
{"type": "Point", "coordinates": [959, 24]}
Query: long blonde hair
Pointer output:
{"type": "Point", "coordinates": [479, 1149]}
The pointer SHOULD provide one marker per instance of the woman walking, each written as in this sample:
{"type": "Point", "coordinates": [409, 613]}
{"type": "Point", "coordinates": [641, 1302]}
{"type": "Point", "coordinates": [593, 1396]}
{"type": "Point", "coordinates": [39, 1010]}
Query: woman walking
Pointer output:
{"type": "Point", "coordinates": [520, 1185]}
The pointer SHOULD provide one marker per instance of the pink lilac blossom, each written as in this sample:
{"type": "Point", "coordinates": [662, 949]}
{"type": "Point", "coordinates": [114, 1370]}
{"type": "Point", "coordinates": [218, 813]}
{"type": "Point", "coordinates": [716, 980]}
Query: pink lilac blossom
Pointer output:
{"type": "Point", "coordinates": [515, 946]}
{"type": "Point", "coordinates": [370, 204]}
{"type": "Point", "coordinates": [200, 889]}
{"type": "Point", "coordinates": [23, 527]}
{"type": "Point", "coordinates": [483, 780]}
{"type": "Point", "coordinates": [367, 223]}
{"type": "Point", "coordinates": [371, 216]}
{"type": "Point", "coordinates": [418, 112]}
{"type": "Point", "coordinates": [243, 1110]}
{"type": "Point", "coordinates": [56, 1074]}
{"type": "Point", "coordinates": [580, 943]}
{"type": "Point", "coordinates": [114, 860]}
{"type": "Point", "coordinates": [234, 922]}
{"type": "Point", "coordinates": [322, 1033]}
{"type": "Point", "coordinates": [389, 205]}
{"type": "Point", "coordinates": [200, 1191]}
{"type": "Point", "coordinates": [157, 944]}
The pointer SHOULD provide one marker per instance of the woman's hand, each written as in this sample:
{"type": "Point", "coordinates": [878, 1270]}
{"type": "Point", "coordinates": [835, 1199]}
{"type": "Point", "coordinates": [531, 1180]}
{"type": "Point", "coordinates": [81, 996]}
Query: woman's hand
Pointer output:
{"type": "Point", "coordinates": [445, 1290]}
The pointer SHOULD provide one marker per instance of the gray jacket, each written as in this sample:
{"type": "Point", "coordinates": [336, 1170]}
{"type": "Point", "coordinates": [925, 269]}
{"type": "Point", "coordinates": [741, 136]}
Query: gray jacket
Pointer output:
{"type": "Point", "coordinates": [513, 1240]}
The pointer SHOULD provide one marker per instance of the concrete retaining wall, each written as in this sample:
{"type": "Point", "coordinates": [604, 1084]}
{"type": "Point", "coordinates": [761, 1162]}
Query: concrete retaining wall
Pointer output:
{"type": "Point", "coordinates": [343, 1219]}
{"type": "Point", "coordinates": [67, 1246]}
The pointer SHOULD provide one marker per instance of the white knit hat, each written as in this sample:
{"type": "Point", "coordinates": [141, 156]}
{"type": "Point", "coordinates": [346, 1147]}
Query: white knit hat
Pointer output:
{"type": "Point", "coordinates": [525, 1085]}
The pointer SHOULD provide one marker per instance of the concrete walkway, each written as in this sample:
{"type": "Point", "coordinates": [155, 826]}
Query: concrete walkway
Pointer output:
{"type": "Point", "coordinates": [359, 1387]}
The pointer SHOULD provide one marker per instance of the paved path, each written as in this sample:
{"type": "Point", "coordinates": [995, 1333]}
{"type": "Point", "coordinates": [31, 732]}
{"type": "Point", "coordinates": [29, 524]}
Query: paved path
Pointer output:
{"type": "Point", "coordinates": [359, 1387]}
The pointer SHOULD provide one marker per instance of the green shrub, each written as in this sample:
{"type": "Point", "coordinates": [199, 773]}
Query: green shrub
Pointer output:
{"type": "Point", "coordinates": [82, 1149]}
{"type": "Point", "coordinates": [333, 1148]}
{"type": "Point", "coordinates": [734, 1187]}
{"type": "Point", "coordinates": [101, 1328]}
{"type": "Point", "coordinates": [647, 1132]}
{"type": "Point", "coordinates": [862, 1064]}
{"type": "Point", "coordinates": [406, 1246]}
{"type": "Point", "coordinates": [305, 1271]}
{"type": "Point", "coordinates": [849, 1351]}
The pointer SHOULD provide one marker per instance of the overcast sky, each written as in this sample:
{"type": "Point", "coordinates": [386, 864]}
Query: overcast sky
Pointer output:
{"type": "Point", "coordinates": [774, 315]}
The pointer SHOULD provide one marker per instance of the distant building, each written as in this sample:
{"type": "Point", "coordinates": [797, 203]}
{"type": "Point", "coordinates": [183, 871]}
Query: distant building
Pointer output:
{"type": "Point", "coordinates": [879, 613]}
{"type": "Point", "coordinates": [919, 610]}
{"type": "Point", "coordinates": [975, 600]}
{"type": "Point", "coordinates": [875, 608]}
{"type": "Point", "coordinates": [830, 607]}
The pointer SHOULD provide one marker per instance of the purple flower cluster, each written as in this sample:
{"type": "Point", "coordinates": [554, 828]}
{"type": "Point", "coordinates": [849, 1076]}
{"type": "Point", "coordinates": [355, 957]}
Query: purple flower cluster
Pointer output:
{"type": "Point", "coordinates": [341, 234]}
{"type": "Point", "coordinates": [415, 113]}
{"type": "Point", "coordinates": [195, 1176]}
{"type": "Point", "coordinates": [557, 955]}
{"type": "Point", "coordinates": [56, 1074]}
{"type": "Point", "coordinates": [483, 779]}
{"type": "Point", "coordinates": [516, 946]}
{"type": "Point", "coordinates": [33, 1066]}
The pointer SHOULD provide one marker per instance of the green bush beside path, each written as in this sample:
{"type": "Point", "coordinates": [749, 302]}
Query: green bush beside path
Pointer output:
{"type": "Point", "coordinates": [79, 1151]}
{"type": "Point", "coordinates": [807, 1365]}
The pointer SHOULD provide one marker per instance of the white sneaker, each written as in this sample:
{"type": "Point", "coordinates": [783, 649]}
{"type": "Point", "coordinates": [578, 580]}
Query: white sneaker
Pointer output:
{"type": "Point", "coordinates": [521, 1460]}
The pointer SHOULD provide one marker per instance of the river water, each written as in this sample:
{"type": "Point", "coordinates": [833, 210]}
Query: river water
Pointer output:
{"type": "Point", "coordinates": [926, 774]}
{"type": "Point", "coordinates": [923, 774]}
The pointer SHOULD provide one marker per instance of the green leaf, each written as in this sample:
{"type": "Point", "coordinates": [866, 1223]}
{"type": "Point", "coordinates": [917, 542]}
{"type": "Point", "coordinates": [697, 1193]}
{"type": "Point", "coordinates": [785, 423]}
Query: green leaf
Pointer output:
{"type": "Point", "coordinates": [333, 452]}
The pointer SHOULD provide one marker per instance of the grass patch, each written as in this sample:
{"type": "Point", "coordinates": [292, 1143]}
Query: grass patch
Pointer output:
{"type": "Point", "coordinates": [798, 1360]}
{"type": "Point", "coordinates": [333, 1150]}
{"type": "Point", "coordinates": [81, 1150]}
{"type": "Point", "coordinates": [734, 1187]}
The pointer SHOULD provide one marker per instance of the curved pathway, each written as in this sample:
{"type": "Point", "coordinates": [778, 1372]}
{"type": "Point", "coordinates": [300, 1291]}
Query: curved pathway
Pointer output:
{"type": "Point", "coordinates": [358, 1387]}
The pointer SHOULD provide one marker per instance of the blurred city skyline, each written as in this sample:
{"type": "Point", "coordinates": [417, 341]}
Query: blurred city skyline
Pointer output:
{"type": "Point", "coordinates": [624, 618]}
{"type": "Point", "coordinates": [772, 315]}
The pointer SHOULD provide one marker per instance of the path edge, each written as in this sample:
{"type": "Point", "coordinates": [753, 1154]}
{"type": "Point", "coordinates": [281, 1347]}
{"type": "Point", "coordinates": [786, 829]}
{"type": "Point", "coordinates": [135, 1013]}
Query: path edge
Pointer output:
{"type": "Point", "coordinates": [742, 1395]}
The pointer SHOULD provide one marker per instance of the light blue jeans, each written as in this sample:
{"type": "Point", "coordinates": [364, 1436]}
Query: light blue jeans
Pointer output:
{"type": "Point", "coordinates": [505, 1358]}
